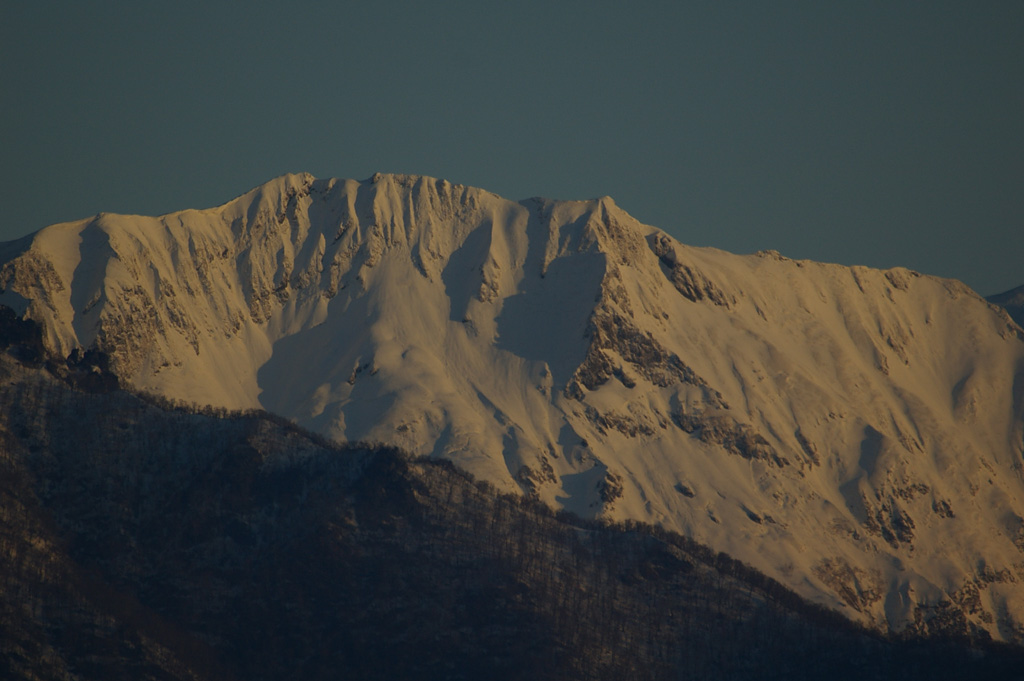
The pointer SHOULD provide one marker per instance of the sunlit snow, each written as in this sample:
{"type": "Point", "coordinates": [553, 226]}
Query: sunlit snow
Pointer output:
{"type": "Point", "coordinates": [855, 433]}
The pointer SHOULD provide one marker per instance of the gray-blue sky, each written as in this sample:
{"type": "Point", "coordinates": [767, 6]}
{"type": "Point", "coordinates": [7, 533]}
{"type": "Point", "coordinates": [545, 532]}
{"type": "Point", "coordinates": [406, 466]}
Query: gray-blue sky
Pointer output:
{"type": "Point", "coordinates": [877, 133]}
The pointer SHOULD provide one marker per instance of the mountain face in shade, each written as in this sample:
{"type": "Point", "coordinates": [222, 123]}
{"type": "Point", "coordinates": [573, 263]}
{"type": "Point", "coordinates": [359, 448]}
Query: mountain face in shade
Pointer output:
{"type": "Point", "coordinates": [147, 542]}
{"type": "Point", "coordinates": [1012, 301]}
{"type": "Point", "coordinates": [856, 434]}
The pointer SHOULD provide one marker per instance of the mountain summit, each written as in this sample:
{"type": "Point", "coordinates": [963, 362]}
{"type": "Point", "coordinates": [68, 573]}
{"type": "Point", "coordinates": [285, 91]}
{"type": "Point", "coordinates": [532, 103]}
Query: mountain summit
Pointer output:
{"type": "Point", "coordinates": [856, 434]}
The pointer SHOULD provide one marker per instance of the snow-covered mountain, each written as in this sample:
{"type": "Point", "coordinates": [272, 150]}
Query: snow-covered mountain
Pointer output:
{"type": "Point", "coordinates": [857, 434]}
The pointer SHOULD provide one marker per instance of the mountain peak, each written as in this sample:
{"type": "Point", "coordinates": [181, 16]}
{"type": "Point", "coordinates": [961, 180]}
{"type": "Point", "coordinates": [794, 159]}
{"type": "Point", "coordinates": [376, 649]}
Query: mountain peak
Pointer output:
{"type": "Point", "coordinates": [854, 433]}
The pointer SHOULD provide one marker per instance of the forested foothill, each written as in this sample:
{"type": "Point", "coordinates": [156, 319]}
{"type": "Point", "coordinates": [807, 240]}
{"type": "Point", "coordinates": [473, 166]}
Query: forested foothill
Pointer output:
{"type": "Point", "coordinates": [142, 539]}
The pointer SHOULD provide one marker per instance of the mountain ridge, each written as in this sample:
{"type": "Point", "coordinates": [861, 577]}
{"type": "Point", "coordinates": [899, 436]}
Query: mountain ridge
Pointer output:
{"type": "Point", "coordinates": [1012, 301]}
{"type": "Point", "coordinates": [833, 426]}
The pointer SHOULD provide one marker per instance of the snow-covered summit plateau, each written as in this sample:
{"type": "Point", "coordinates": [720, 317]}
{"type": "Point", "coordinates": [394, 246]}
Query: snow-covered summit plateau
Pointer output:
{"type": "Point", "coordinates": [856, 434]}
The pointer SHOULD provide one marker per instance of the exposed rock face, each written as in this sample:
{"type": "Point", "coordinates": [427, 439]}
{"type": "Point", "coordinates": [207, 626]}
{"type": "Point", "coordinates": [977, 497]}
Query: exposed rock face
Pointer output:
{"type": "Point", "coordinates": [735, 437]}
{"type": "Point", "coordinates": [691, 283]}
{"type": "Point", "coordinates": [857, 434]}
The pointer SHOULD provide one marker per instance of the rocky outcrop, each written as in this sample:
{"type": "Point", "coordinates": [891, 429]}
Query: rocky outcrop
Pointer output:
{"type": "Point", "coordinates": [737, 438]}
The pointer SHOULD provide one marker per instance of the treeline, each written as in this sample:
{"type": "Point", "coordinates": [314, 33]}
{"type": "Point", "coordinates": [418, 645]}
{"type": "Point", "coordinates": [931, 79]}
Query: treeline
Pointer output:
{"type": "Point", "coordinates": [148, 539]}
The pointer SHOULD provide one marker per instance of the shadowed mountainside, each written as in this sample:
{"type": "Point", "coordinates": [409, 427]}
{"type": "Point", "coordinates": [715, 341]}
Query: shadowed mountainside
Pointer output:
{"type": "Point", "coordinates": [147, 541]}
{"type": "Point", "coordinates": [1012, 301]}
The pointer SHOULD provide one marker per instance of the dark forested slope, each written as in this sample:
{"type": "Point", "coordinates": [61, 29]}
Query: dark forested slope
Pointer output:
{"type": "Point", "coordinates": [144, 541]}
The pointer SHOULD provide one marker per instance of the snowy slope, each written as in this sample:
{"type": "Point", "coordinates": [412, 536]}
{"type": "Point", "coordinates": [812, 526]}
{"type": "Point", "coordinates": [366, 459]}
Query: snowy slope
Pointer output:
{"type": "Point", "coordinates": [857, 434]}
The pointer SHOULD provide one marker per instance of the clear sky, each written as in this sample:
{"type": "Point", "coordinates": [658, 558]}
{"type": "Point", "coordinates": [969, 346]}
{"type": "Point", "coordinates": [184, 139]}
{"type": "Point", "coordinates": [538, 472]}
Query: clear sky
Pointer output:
{"type": "Point", "coordinates": [876, 133]}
